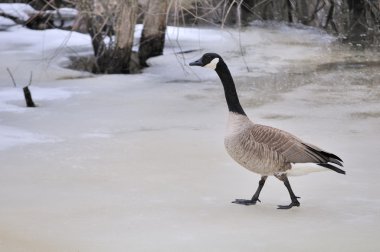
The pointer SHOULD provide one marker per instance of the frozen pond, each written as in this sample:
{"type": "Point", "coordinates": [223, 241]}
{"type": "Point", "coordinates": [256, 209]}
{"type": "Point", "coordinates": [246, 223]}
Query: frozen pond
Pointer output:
{"type": "Point", "coordinates": [137, 162]}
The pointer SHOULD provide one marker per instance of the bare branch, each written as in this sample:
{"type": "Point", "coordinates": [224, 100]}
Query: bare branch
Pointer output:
{"type": "Point", "coordinates": [30, 79]}
{"type": "Point", "coordinates": [13, 79]}
{"type": "Point", "coordinates": [228, 12]}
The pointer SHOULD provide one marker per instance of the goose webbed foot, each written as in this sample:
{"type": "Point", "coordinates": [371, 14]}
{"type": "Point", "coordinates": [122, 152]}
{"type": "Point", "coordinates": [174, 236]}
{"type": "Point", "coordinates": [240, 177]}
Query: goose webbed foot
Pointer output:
{"type": "Point", "coordinates": [293, 197]}
{"type": "Point", "coordinates": [255, 197]}
{"type": "Point", "coordinates": [246, 202]}
{"type": "Point", "coordinates": [295, 202]}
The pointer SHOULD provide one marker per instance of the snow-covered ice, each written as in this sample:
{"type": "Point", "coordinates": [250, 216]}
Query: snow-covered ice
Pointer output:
{"type": "Point", "coordinates": [137, 163]}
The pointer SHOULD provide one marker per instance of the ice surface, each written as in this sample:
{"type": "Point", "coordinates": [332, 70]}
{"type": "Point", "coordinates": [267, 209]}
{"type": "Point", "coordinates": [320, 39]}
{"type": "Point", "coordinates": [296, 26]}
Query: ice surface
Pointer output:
{"type": "Point", "coordinates": [137, 163]}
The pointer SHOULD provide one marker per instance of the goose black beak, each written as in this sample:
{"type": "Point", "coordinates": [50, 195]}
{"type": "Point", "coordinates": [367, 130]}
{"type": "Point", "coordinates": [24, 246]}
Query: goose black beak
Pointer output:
{"type": "Point", "coordinates": [196, 63]}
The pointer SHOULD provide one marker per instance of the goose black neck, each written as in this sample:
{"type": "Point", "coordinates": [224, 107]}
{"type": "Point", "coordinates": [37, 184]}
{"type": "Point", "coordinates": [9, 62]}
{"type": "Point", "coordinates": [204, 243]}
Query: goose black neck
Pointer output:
{"type": "Point", "coordinates": [229, 88]}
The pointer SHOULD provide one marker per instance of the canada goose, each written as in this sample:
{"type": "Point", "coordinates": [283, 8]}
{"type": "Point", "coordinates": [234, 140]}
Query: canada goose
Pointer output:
{"type": "Point", "coordinates": [263, 149]}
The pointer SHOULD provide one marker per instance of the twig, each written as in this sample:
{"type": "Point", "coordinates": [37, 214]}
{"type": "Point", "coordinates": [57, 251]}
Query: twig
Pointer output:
{"type": "Point", "coordinates": [240, 43]}
{"type": "Point", "coordinates": [13, 79]}
{"type": "Point", "coordinates": [30, 79]}
{"type": "Point", "coordinates": [228, 12]}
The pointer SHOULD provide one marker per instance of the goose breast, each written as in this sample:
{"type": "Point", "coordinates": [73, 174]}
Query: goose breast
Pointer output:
{"type": "Point", "coordinates": [253, 146]}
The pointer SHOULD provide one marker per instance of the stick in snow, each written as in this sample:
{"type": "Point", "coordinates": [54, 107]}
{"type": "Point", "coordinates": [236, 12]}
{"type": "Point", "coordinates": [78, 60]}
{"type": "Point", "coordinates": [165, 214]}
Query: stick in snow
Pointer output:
{"type": "Point", "coordinates": [27, 94]}
{"type": "Point", "coordinates": [28, 97]}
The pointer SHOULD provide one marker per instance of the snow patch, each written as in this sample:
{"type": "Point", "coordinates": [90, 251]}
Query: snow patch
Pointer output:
{"type": "Point", "coordinates": [18, 10]}
{"type": "Point", "coordinates": [5, 23]}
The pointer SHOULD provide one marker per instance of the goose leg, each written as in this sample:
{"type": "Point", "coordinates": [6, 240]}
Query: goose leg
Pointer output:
{"type": "Point", "coordinates": [293, 197]}
{"type": "Point", "coordinates": [255, 197]}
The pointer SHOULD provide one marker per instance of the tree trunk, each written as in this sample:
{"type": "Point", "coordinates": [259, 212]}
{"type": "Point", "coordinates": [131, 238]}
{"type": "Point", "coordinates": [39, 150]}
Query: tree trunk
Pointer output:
{"type": "Point", "coordinates": [124, 32]}
{"type": "Point", "coordinates": [357, 20]}
{"type": "Point", "coordinates": [94, 28]}
{"type": "Point", "coordinates": [153, 35]}
{"type": "Point", "coordinates": [105, 18]}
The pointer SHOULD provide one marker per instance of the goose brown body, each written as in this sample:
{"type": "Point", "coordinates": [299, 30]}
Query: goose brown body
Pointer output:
{"type": "Point", "coordinates": [266, 150]}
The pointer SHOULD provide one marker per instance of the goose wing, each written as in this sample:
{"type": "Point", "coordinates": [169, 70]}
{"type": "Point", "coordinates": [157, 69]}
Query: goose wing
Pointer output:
{"type": "Point", "coordinates": [293, 149]}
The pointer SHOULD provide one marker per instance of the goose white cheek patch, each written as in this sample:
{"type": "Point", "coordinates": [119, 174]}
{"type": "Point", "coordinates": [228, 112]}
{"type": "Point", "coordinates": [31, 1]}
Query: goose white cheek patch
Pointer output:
{"type": "Point", "coordinates": [212, 64]}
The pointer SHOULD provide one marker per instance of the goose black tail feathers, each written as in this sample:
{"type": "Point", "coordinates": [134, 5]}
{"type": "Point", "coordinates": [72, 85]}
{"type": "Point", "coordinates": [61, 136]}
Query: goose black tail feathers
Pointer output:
{"type": "Point", "coordinates": [331, 167]}
{"type": "Point", "coordinates": [332, 158]}
{"type": "Point", "coordinates": [326, 158]}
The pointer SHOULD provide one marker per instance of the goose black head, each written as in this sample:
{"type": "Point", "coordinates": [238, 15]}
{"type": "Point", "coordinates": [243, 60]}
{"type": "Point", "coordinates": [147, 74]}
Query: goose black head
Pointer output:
{"type": "Point", "coordinates": [209, 60]}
